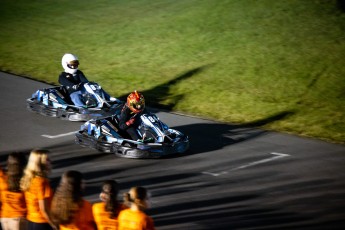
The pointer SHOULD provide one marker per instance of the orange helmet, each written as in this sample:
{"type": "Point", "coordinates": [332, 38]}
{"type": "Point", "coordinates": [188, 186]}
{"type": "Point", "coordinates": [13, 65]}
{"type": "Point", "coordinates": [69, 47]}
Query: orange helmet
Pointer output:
{"type": "Point", "coordinates": [136, 102]}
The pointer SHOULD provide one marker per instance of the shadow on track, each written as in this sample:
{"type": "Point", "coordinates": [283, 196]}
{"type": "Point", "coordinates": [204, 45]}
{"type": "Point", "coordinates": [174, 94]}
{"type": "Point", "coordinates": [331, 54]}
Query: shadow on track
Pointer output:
{"type": "Point", "coordinates": [163, 90]}
{"type": "Point", "coordinates": [206, 137]}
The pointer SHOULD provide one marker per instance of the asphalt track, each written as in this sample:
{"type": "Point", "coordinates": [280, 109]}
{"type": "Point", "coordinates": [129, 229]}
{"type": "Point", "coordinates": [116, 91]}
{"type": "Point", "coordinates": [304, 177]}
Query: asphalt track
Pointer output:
{"type": "Point", "coordinates": [233, 177]}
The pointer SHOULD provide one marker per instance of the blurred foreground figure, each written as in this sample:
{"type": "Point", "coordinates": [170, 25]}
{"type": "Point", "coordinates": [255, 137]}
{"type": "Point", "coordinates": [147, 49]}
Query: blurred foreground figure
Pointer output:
{"type": "Point", "coordinates": [107, 211]}
{"type": "Point", "coordinates": [38, 192]}
{"type": "Point", "coordinates": [13, 204]}
{"type": "Point", "coordinates": [135, 218]}
{"type": "Point", "coordinates": [69, 210]}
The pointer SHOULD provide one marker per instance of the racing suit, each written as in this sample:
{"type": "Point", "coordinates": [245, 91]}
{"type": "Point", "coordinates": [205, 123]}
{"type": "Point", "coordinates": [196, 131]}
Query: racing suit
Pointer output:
{"type": "Point", "coordinates": [73, 84]}
{"type": "Point", "coordinates": [129, 122]}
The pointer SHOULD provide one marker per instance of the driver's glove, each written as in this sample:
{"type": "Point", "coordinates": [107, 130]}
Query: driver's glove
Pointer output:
{"type": "Point", "coordinates": [130, 122]}
{"type": "Point", "coordinates": [76, 87]}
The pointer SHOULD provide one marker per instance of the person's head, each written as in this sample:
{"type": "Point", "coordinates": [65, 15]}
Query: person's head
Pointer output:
{"type": "Point", "coordinates": [137, 197]}
{"type": "Point", "coordinates": [110, 189]}
{"type": "Point", "coordinates": [15, 169]}
{"type": "Point", "coordinates": [38, 165]}
{"type": "Point", "coordinates": [72, 182]}
{"type": "Point", "coordinates": [108, 195]}
{"type": "Point", "coordinates": [136, 102]}
{"type": "Point", "coordinates": [67, 198]}
{"type": "Point", "coordinates": [70, 63]}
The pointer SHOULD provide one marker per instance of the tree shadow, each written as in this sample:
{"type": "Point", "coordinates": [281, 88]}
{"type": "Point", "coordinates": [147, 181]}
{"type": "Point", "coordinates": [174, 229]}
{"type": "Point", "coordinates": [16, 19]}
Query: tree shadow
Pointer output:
{"type": "Point", "coordinates": [275, 117]}
{"type": "Point", "coordinates": [341, 5]}
{"type": "Point", "coordinates": [230, 211]}
{"type": "Point", "coordinates": [226, 213]}
{"type": "Point", "coordinates": [206, 137]}
{"type": "Point", "coordinates": [158, 94]}
{"type": "Point", "coordinates": [209, 136]}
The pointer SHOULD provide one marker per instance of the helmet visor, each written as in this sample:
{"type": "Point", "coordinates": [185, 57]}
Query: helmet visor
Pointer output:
{"type": "Point", "coordinates": [73, 64]}
{"type": "Point", "coordinates": [138, 105]}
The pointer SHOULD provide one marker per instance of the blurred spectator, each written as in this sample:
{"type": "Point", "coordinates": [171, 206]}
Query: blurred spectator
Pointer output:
{"type": "Point", "coordinates": [12, 198]}
{"type": "Point", "coordinates": [69, 209]}
{"type": "Point", "coordinates": [107, 211]}
{"type": "Point", "coordinates": [1, 173]}
{"type": "Point", "coordinates": [135, 218]}
{"type": "Point", "coordinates": [38, 193]}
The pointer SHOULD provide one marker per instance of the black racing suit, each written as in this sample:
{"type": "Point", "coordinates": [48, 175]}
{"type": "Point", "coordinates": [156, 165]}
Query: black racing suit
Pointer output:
{"type": "Point", "coordinates": [72, 82]}
{"type": "Point", "coordinates": [131, 129]}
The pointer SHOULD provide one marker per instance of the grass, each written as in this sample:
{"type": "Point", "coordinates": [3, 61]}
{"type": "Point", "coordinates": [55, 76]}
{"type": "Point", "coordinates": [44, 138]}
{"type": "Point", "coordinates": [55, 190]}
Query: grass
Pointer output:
{"type": "Point", "coordinates": [233, 61]}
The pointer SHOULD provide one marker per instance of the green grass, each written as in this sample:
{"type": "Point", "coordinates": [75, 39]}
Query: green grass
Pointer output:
{"type": "Point", "coordinates": [275, 63]}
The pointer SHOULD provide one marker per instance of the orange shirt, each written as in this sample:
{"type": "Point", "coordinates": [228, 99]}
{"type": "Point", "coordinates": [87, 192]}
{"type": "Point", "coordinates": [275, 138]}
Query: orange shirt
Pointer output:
{"type": "Point", "coordinates": [1, 173]}
{"type": "Point", "coordinates": [102, 217]}
{"type": "Point", "coordinates": [39, 190]}
{"type": "Point", "coordinates": [12, 203]}
{"type": "Point", "coordinates": [83, 220]}
{"type": "Point", "coordinates": [135, 220]}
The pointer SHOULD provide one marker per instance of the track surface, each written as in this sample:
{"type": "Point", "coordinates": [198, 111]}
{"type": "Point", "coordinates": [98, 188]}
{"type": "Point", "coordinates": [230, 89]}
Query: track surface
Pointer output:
{"type": "Point", "coordinates": [233, 177]}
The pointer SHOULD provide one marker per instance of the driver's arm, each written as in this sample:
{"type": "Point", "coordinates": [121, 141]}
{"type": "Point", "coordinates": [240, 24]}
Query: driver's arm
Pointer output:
{"type": "Point", "coordinates": [64, 80]}
{"type": "Point", "coordinates": [123, 118]}
{"type": "Point", "coordinates": [82, 77]}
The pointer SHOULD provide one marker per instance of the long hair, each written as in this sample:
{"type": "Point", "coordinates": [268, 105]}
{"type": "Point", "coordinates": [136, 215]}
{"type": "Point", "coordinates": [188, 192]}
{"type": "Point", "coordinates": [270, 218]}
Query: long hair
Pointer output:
{"type": "Point", "coordinates": [15, 170]}
{"type": "Point", "coordinates": [37, 166]}
{"type": "Point", "coordinates": [68, 198]}
{"type": "Point", "coordinates": [136, 195]}
{"type": "Point", "coordinates": [111, 189]}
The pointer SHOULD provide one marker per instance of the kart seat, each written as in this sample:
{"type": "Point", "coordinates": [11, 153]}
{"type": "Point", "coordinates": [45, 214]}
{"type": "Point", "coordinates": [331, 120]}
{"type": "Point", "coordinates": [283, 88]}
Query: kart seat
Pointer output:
{"type": "Point", "coordinates": [113, 120]}
{"type": "Point", "coordinates": [63, 90]}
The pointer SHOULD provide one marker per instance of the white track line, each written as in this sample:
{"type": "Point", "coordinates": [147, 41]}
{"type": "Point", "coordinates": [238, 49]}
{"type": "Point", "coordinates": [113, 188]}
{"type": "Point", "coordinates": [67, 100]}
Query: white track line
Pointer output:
{"type": "Point", "coordinates": [275, 157]}
{"type": "Point", "coordinates": [59, 135]}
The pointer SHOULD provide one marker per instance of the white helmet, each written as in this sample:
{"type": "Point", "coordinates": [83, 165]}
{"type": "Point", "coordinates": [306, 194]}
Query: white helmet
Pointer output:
{"type": "Point", "coordinates": [70, 63]}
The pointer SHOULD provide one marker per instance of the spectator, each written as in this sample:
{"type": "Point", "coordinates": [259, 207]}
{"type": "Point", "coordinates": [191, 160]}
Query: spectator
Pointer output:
{"type": "Point", "coordinates": [1, 173]}
{"type": "Point", "coordinates": [135, 218]}
{"type": "Point", "coordinates": [12, 198]}
{"type": "Point", "coordinates": [69, 210]}
{"type": "Point", "coordinates": [38, 193]}
{"type": "Point", "coordinates": [107, 211]}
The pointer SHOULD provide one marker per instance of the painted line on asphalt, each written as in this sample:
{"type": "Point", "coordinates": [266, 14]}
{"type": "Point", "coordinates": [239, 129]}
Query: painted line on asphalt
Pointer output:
{"type": "Point", "coordinates": [59, 135]}
{"type": "Point", "coordinates": [275, 157]}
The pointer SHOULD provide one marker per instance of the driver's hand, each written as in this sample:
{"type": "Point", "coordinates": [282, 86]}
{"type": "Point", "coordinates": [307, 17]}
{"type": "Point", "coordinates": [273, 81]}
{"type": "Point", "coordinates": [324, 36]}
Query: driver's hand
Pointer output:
{"type": "Point", "coordinates": [76, 87]}
{"type": "Point", "coordinates": [130, 122]}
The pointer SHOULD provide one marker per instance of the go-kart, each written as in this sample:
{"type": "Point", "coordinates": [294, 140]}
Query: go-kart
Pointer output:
{"type": "Point", "coordinates": [158, 139]}
{"type": "Point", "coordinates": [56, 102]}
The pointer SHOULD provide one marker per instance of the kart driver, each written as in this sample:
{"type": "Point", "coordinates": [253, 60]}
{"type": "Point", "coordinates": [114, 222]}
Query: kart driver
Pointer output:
{"type": "Point", "coordinates": [73, 79]}
{"type": "Point", "coordinates": [132, 110]}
